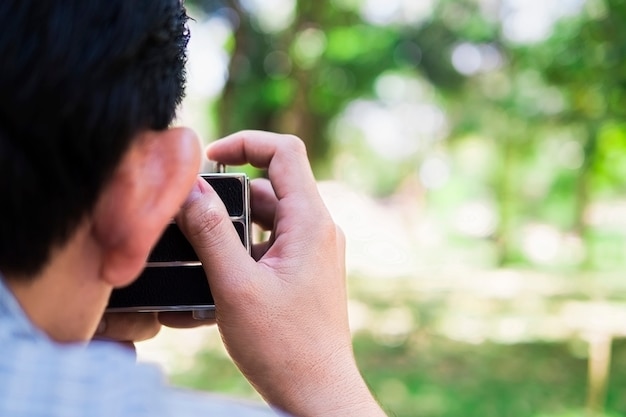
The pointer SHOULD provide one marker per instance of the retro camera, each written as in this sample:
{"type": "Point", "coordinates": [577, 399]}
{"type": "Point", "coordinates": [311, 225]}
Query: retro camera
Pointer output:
{"type": "Point", "coordinates": [173, 279]}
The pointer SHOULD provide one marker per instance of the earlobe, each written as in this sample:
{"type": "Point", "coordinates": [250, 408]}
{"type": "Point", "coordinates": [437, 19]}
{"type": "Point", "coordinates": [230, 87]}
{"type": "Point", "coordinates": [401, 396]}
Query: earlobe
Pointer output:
{"type": "Point", "coordinates": [145, 192]}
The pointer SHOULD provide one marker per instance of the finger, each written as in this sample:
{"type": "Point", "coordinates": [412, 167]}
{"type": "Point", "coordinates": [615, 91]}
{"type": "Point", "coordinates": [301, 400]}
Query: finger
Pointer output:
{"type": "Point", "coordinates": [284, 156]}
{"type": "Point", "coordinates": [130, 346]}
{"type": "Point", "coordinates": [206, 224]}
{"type": "Point", "coordinates": [128, 327]}
{"type": "Point", "coordinates": [291, 177]}
{"type": "Point", "coordinates": [263, 203]}
{"type": "Point", "coordinates": [182, 320]}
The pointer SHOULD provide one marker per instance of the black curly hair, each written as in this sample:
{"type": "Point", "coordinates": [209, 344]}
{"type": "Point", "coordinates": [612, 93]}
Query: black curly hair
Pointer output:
{"type": "Point", "coordinates": [78, 80]}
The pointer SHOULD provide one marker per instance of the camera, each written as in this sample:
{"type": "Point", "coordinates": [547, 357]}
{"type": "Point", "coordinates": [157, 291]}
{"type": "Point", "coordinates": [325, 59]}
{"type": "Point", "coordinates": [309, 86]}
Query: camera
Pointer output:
{"type": "Point", "coordinates": [173, 279]}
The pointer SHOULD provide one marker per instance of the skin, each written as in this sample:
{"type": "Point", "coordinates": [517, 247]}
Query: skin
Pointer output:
{"type": "Point", "coordinates": [288, 301]}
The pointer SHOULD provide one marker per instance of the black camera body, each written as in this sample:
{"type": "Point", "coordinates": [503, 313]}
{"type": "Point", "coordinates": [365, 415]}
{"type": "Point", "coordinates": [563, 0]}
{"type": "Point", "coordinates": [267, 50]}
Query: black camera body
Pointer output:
{"type": "Point", "coordinates": [173, 279]}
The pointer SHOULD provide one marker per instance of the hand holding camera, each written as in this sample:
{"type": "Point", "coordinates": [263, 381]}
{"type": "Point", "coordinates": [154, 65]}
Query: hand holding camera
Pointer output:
{"type": "Point", "coordinates": [173, 279]}
{"type": "Point", "coordinates": [282, 315]}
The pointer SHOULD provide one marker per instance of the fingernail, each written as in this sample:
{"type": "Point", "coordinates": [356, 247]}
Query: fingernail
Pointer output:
{"type": "Point", "coordinates": [102, 326]}
{"type": "Point", "coordinates": [194, 193]}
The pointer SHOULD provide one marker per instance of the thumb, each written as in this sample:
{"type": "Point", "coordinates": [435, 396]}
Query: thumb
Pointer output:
{"type": "Point", "coordinates": [204, 220]}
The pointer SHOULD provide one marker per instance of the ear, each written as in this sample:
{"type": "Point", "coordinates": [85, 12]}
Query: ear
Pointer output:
{"type": "Point", "coordinates": [145, 192]}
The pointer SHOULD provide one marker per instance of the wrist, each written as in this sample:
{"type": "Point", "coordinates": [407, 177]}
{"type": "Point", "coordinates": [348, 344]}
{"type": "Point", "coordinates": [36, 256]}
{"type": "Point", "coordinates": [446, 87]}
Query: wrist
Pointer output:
{"type": "Point", "coordinates": [338, 390]}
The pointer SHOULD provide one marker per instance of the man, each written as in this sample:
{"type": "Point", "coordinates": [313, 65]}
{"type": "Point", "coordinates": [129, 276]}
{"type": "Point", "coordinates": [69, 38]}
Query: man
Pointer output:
{"type": "Point", "coordinates": [91, 173]}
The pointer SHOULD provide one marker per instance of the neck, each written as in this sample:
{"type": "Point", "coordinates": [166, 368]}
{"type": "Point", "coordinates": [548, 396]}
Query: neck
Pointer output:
{"type": "Point", "coordinates": [67, 299]}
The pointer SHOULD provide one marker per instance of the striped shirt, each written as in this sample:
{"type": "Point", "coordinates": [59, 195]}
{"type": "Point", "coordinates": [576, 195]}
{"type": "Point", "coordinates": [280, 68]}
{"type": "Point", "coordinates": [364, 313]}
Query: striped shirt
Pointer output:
{"type": "Point", "coordinates": [41, 378]}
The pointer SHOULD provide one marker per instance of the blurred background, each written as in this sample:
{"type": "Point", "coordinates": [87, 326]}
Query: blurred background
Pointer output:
{"type": "Point", "coordinates": [474, 152]}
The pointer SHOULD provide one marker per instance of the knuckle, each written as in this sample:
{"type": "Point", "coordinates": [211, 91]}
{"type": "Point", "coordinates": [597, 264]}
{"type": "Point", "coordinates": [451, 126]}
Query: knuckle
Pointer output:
{"type": "Point", "coordinates": [146, 328]}
{"type": "Point", "coordinates": [295, 144]}
{"type": "Point", "coordinates": [203, 224]}
{"type": "Point", "coordinates": [329, 230]}
{"type": "Point", "coordinates": [152, 330]}
{"type": "Point", "coordinates": [131, 326]}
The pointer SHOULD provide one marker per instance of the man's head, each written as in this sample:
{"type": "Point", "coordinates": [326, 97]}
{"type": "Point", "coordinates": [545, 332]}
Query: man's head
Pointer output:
{"type": "Point", "coordinates": [80, 80]}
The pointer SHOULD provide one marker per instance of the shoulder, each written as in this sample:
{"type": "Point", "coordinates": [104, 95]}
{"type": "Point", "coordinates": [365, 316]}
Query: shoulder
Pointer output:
{"type": "Point", "coordinates": [44, 379]}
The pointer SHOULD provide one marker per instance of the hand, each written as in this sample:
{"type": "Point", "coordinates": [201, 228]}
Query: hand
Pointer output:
{"type": "Point", "coordinates": [282, 315]}
{"type": "Point", "coordinates": [128, 328]}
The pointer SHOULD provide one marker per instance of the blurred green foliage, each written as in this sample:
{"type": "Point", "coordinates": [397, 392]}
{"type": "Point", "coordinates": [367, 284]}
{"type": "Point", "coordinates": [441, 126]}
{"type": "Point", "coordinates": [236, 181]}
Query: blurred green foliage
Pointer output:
{"type": "Point", "coordinates": [464, 106]}
{"type": "Point", "coordinates": [549, 111]}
